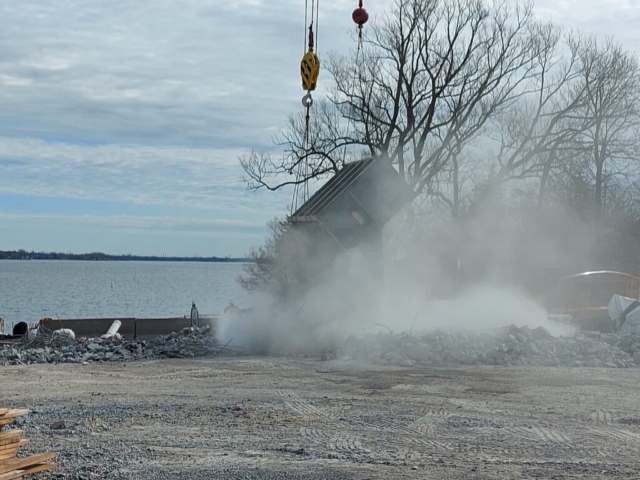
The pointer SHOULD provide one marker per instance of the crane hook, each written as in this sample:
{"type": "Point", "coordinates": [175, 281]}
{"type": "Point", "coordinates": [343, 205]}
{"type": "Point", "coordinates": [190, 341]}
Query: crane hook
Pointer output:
{"type": "Point", "coordinates": [307, 101]}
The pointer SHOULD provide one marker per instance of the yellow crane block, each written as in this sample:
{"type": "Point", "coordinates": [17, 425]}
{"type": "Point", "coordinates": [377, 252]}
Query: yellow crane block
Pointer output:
{"type": "Point", "coordinates": [309, 70]}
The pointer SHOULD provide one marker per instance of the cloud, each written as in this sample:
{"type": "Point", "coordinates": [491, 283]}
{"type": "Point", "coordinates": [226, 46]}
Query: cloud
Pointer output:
{"type": "Point", "coordinates": [202, 178]}
{"type": "Point", "coordinates": [121, 105]}
{"type": "Point", "coordinates": [145, 223]}
{"type": "Point", "coordinates": [145, 104]}
{"type": "Point", "coordinates": [197, 73]}
{"type": "Point", "coordinates": [617, 18]}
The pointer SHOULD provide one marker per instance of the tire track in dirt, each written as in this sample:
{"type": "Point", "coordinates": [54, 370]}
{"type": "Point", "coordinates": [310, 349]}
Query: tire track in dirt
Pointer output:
{"type": "Point", "coordinates": [340, 442]}
{"type": "Point", "coordinates": [569, 373]}
{"type": "Point", "coordinates": [348, 443]}
{"type": "Point", "coordinates": [535, 433]}
{"type": "Point", "coordinates": [603, 417]}
{"type": "Point", "coordinates": [352, 443]}
{"type": "Point", "coordinates": [619, 434]}
{"type": "Point", "coordinates": [434, 444]}
{"type": "Point", "coordinates": [388, 426]}
{"type": "Point", "coordinates": [429, 422]}
{"type": "Point", "coordinates": [417, 435]}
{"type": "Point", "coordinates": [521, 431]}
{"type": "Point", "coordinates": [474, 428]}
{"type": "Point", "coordinates": [299, 405]}
{"type": "Point", "coordinates": [411, 434]}
{"type": "Point", "coordinates": [602, 440]}
{"type": "Point", "coordinates": [606, 427]}
{"type": "Point", "coordinates": [169, 375]}
{"type": "Point", "coordinates": [316, 435]}
{"type": "Point", "coordinates": [475, 406]}
{"type": "Point", "coordinates": [284, 393]}
{"type": "Point", "coordinates": [551, 435]}
{"type": "Point", "coordinates": [532, 433]}
{"type": "Point", "coordinates": [188, 456]}
{"type": "Point", "coordinates": [269, 365]}
{"type": "Point", "coordinates": [430, 389]}
{"type": "Point", "coordinates": [241, 459]}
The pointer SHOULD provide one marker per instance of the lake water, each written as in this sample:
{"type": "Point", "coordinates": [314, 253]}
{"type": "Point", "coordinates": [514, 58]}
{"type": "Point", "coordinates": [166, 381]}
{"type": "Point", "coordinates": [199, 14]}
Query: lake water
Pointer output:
{"type": "Point", "coordinates": [31, 290]}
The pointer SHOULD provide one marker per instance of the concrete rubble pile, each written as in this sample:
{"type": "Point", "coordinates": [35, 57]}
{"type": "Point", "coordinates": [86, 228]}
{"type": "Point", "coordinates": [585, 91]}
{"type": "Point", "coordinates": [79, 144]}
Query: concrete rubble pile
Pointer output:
{"type": "Point", "coordinates": [188, 343]}
{"type": "Point", "coordinates": [509, 346]}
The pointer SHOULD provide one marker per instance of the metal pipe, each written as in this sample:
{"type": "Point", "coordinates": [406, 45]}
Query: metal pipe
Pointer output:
{"type": "Point", "coordinates": [113, 329]}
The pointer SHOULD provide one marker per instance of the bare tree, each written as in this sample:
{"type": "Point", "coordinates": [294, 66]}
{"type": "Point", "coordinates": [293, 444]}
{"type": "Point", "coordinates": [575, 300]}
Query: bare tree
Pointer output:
{"type": "Point", "coordinates": [268, 272]}
{"type": "Point", "coordinates": [612, 83]}
{"type": "Point", "coordinates": [477, 105]}
{"type": "Point", "coordinates": [429, 77]}
{"type": "Point", "coordinates": [532, 136]}
{"type": "Point", "coordinates": [543, 126]}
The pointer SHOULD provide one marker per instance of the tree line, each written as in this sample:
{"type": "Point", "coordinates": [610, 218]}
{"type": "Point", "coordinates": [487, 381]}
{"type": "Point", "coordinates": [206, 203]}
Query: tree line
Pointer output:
{"type": "Point", "coordinates": [98, 256]}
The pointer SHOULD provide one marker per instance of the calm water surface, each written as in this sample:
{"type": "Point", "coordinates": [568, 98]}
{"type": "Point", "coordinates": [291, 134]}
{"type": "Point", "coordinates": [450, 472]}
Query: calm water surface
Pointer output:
{"type": "Point", "coordinates": [30, 290]}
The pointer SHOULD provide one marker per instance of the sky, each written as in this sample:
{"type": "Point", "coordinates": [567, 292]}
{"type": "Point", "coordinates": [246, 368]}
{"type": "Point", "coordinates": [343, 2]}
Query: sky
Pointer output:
{"type": "Point", "coordinates": [121, 122]}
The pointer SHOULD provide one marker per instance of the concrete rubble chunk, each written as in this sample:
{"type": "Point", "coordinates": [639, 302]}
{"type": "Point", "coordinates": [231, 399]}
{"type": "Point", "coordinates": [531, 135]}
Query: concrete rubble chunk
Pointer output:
{"type": "Point", "coordinates": [541, 333]}
{"type": "Point", "coordinates": [508, 346]}
{"type": "Point", "coordinates": [419, 353]}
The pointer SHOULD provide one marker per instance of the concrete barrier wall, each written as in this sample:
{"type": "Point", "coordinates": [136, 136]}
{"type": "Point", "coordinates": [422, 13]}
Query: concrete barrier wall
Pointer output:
{"type": "Point", "coordinates": [92, 327]}
{"type": "Point", "coordinates": [141, 328]}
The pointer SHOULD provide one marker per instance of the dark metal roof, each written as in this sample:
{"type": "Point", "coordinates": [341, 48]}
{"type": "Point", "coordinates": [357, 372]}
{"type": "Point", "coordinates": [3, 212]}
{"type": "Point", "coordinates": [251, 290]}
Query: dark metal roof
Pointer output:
{"type": "Point", "coordinates": [330, 190]}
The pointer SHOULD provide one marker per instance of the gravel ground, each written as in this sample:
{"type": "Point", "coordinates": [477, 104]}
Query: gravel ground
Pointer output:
{"type": "Point", "coordinates": [296, 418]}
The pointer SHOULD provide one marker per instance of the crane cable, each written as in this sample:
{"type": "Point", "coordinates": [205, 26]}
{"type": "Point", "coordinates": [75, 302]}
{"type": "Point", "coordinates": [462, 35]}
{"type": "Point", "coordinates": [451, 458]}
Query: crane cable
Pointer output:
{"type": "Point", "coordinates": [360, 25]}
{"type": "Point", "coordinates": [310, 64]}
{"type": "Point", "coordinates": [360, 17]}
{"type": "Point", "coordinates": [309, 71]}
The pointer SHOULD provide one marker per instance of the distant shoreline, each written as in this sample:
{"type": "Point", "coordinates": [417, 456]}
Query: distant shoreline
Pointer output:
{"type": "Point", "coordinates": [102, 257]}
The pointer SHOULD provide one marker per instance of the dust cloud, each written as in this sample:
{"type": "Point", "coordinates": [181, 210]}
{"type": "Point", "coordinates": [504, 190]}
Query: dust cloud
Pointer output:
{"type": "Point", "coordinates": [351, 298]}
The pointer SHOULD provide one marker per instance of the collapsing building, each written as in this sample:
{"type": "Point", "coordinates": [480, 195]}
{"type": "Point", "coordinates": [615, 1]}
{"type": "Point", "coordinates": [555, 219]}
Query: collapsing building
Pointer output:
{"type": "Point", "coordinates": [348, 212]}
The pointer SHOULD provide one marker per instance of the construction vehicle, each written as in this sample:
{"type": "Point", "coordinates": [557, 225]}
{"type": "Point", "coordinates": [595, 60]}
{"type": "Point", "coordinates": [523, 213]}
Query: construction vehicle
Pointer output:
{"type": "Point", "coordinates": [582, 299]}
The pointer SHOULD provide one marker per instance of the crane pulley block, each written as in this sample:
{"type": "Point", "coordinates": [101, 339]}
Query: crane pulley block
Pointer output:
{"type": "Point", "coordinates": [309, 70]}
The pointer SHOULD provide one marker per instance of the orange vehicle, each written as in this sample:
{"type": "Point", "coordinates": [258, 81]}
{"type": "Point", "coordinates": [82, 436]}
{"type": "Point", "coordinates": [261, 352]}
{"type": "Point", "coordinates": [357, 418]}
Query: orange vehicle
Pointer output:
{"type": "Point", "coordinates": [583, 298]}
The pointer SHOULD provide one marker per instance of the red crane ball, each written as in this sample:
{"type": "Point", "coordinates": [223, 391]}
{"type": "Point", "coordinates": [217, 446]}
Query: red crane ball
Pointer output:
{"type": "Point", "coordinates": [360, 16]}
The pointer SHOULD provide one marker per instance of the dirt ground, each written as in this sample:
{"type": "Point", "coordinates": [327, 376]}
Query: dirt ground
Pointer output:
{"type": "Point", "coordinates": [302, 418]}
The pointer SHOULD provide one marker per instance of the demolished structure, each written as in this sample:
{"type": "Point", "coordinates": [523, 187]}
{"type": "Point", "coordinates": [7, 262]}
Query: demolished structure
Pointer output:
{"type": "Point", "coordinates": [348, 212]}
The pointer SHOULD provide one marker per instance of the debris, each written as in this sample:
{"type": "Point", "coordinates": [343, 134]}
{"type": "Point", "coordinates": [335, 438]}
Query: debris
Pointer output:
{"type": "Point", "coordinates": [113, 329]}
{"type": "Point", "coordinates": [188, 343]}
{"type": "Point", "coordinates": [381, 325]}
{"type": "Point", "coordinates": [508, 346]}
{"type": "Point", "coordinates": [225, 346]}
{"type": "Point", "coordinates": [91, 425]}
{"type": "Point", "coordinates": [59, 425]}
{"type": "Point", "coordinates": [297, 451]}
{"type": "Point", "coordinates": [64, 332]}
{"type": "Point", "coordinates": [12, 467]}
